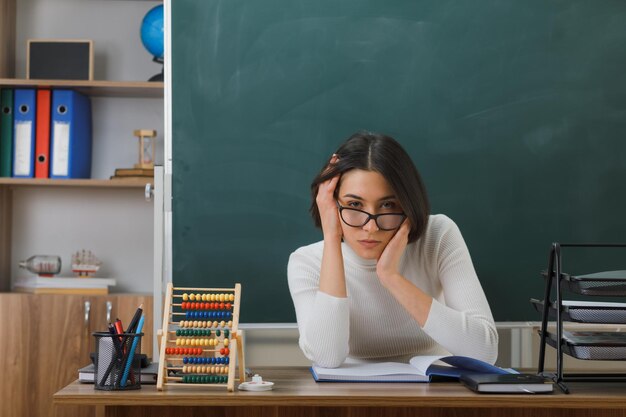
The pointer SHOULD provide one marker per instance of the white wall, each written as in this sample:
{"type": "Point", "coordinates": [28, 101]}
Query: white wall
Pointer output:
{"type": "Point", "coordinates": [117, 225]}
{"type": "Point", "coordinates": [518, 348]}
{"type": "Point", "coordinates": [114, 224]}
{"type": "Point", "coordinates": [277, 345]}
{"type": "Point", "coordinates": [112, 25]}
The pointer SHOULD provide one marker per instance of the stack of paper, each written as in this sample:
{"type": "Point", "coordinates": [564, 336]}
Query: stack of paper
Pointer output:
{"type": "Point", "coordinates": [44, 285]}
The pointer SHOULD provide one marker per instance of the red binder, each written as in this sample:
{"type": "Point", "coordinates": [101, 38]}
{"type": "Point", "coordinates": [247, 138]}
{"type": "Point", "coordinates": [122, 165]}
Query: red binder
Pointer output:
{"type": "Point", "coordinates": [42, 135]}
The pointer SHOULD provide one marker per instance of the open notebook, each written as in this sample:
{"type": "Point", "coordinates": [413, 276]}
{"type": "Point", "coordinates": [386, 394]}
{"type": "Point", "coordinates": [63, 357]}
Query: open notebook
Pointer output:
{"type": "Point", "coordinates": [419, 369]}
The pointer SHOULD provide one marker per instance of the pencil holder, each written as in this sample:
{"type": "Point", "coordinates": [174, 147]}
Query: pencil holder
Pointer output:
{"type": "Point", "coordinates": [115, 365]}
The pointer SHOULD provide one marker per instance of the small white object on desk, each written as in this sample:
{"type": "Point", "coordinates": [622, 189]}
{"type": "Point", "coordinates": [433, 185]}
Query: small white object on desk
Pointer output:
{"type": "Point", "coordinates": [257, 384]}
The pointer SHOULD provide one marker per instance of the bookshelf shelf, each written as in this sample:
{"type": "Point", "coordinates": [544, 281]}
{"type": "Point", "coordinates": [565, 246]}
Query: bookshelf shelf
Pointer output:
{"type": "Point", "coordinates": [61, 215]}
{"type": "Point", "coordinates": [102, 88]}
{"type": "Point", "coordinates": [87, 183]}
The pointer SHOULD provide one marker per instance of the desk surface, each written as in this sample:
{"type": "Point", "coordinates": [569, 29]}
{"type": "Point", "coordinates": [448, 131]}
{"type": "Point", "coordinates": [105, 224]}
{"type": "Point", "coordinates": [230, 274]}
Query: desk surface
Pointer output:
{"type": "Point", "coordinates": [296, 387]}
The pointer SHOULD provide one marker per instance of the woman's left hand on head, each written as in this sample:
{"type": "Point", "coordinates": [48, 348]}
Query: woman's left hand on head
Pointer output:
{"type": "Point", "coordinates": [389, 262]}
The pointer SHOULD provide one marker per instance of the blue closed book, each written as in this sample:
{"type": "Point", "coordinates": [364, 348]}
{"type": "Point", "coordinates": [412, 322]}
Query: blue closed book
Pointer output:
{"type": "Point", "coordinates": [24, 133]}
{"type": "Point", "coordinates": [71, 135]}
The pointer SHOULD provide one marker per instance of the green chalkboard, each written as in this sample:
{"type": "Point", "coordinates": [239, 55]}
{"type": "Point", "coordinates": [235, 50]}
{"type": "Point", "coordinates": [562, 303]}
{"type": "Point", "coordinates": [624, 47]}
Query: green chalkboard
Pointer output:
{"type": "Point", "coordinates": [513, 110]}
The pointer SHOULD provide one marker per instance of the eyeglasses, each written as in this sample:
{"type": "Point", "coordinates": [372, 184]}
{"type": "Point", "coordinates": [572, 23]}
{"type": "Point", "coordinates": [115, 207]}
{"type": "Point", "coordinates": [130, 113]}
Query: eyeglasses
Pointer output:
{"type": "Point", "coordinates": [359, 218]}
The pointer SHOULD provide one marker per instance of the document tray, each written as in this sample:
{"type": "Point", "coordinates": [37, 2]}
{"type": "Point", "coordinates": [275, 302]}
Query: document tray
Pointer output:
{"type": "Point", "coordinates": [586, 312]}
{"type": "Point", "coordinates": [607, 283]}
{"type": "Point", "coordinates": [592, 345]}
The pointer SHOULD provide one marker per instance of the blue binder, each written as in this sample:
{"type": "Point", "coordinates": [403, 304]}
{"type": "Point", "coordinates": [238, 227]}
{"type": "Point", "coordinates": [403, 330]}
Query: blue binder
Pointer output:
{"type": "Point", "coordinates": [24, 133]}
{"type": "Point", "coordinates": [70, 135]}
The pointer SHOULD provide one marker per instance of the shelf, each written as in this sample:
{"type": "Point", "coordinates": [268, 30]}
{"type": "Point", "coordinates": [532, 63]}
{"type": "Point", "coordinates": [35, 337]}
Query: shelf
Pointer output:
{"type": "Point", "coordinates": [592, 345]}
{"type": "Point", "coordinates": [87, 183]}
{"type": "Point", "coordinates": [131, 89]}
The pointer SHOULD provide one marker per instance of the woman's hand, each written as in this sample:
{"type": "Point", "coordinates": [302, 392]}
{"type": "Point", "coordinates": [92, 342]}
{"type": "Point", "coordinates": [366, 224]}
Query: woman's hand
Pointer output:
{"type": "Point", "coordinates": [327, 206]}
{"type": "Point", "coordinates": [388, 264]}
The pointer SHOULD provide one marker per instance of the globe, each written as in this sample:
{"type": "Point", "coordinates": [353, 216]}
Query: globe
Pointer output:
{"type": "Point", "coordinates": [152, 31]}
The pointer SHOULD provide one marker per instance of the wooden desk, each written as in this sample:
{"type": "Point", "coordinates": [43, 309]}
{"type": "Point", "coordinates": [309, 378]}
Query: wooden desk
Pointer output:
{"type": "Point", "coordinates": [296, 394]}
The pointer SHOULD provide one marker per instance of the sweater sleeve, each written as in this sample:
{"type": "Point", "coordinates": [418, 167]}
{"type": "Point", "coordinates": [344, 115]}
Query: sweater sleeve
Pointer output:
{"type": "Point", "coordinates": [323, 320]}
{"type": "Point", "coordinates": [463, 325]}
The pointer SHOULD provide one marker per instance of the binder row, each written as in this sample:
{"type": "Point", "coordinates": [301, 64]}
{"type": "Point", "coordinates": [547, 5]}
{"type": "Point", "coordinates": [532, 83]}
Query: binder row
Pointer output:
{"type": "Point", "coordinates": [45, 133]}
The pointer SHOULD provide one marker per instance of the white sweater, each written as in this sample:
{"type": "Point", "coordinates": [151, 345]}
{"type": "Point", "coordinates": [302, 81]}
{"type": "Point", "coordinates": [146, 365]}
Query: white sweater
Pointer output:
{"type": "Point", "coordinates": [371, 324]}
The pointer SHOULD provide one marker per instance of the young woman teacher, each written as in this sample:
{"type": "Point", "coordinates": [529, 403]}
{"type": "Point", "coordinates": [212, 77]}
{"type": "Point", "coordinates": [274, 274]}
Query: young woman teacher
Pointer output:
{"type": "Point", "coordinates": [389, 280]}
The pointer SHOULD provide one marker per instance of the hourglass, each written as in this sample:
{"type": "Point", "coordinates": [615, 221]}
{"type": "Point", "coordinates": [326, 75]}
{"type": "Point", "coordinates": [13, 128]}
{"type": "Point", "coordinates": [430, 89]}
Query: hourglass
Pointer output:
{"type": "Point", "coordinates": [146, 148]}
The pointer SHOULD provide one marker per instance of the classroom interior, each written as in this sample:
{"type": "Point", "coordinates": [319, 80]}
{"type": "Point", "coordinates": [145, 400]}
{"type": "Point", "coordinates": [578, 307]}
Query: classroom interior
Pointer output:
{"type": "Point", "coordinates": [131, 228]}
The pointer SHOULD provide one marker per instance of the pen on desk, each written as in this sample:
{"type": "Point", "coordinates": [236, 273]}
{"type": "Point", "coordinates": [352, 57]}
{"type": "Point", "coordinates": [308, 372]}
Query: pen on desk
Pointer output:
{"type": "Point", "coordinates": [135, 320]}
{"type": "Point", "coordinates": [116, 341]}
{"type": "Point", "coordinates": [132, 327]}
{"type": "Point", "coordinates": [131, 353]}
{"type": "Point", "coordinates": [118, 327]}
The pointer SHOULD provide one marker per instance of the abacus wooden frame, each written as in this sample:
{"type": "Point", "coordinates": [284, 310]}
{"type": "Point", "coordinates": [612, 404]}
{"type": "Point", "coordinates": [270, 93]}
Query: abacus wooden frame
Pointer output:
{"type": "Point", "coordinates": [235, 345]}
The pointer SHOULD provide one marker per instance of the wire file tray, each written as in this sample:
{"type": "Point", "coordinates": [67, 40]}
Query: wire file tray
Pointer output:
{"type": "Point", "coordinates": [586, 345]}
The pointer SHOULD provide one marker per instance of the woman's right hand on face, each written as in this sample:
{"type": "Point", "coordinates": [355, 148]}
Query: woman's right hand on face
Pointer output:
{"type": "Point", "coordinates": [327, 206]}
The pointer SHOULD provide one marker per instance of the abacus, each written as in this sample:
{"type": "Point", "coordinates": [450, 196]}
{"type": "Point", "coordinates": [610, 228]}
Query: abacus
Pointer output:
{"type": "Point", "coordinates": [199, 340]}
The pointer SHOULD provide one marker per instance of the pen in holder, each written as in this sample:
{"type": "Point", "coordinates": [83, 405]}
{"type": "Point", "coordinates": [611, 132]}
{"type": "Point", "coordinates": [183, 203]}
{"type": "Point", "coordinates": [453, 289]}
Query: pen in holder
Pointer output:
{"type": "Point", "coordinates": [115, 365]}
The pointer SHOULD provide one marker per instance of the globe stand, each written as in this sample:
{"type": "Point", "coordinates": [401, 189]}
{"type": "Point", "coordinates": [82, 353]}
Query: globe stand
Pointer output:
{"type": "Point", "coordinates": [158, 77]}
